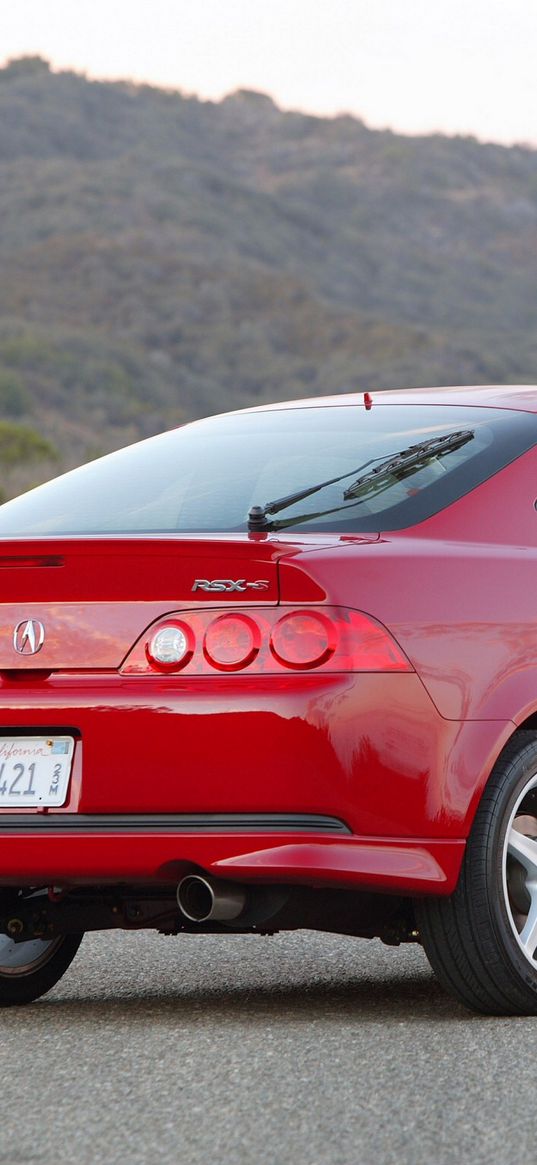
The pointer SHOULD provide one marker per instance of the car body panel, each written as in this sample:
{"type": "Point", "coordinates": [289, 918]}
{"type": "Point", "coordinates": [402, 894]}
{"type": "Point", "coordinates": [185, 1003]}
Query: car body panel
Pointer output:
{"type": "Point", "coordinates": [522, 397]}
{"type": "Point", "coordinates": [371, 750]}
{"type": "Point", "coordinates": [132, 569]}
{"type": "Point", "coordinates": [469, 627]}
{"type": "Point", "coordinates": [391, 866]}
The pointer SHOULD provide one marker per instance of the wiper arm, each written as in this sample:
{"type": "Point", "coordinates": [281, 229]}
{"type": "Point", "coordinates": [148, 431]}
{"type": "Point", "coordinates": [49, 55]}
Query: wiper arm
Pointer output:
{"type": "Point", "coordinates": [257, 515]}
{"type": "Point", "coordinates": [412, 458]}
{"type": "Point", "coordinates": [396, 466]}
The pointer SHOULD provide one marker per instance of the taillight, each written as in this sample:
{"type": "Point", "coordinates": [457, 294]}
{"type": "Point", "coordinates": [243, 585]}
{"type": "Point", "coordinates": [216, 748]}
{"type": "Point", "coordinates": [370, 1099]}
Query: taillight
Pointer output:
{"type": "Point", "coordinates": [303, 639]}
{"type": "Point", "coordinates": [231, 642]}
{"type": "Point", "coordinates": [170, 647]}
{"type": "Point", "coordinates": [266, 641]}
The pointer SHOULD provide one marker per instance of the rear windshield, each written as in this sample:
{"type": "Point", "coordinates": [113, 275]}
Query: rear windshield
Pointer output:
{"type": "Point", "coordinates": [206, 476]}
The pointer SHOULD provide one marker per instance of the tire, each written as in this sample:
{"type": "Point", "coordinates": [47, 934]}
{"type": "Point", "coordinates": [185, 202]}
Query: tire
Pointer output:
{"type": "Point", "coordinates": [29, 969]}
{"type": "Point", "coordinates": [482, 941]}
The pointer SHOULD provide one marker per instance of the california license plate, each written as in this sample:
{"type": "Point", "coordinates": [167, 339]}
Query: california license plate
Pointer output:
{"type": "Point", "coordinates": [34, 770]}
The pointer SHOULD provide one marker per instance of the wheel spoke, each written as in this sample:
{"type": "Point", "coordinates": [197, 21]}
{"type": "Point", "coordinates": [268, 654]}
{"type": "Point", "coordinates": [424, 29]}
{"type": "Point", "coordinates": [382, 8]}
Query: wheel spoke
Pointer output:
{"type": "Point", "coordinates": [524, 849]}
{"type": "Point", "coordinates": [528, 934]}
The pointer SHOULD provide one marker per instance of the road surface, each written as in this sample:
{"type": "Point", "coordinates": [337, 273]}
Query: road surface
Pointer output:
{"type": "Point", "coordinates": [301, 1049]}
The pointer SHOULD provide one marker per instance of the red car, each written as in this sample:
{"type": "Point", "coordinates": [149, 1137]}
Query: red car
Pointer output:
{"type": "Point", "coordinates": [278, 669]}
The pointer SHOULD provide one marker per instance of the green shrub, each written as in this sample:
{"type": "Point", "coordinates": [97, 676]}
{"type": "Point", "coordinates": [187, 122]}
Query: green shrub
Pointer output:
{"type": "Point", "coordinates": [14, 399]}
{"type": "Point", "coordinates": [19, 444]}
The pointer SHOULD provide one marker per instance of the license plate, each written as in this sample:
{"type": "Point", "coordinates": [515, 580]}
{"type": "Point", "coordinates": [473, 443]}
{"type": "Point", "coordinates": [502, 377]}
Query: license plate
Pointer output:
{"type": "Point", "coordinates": [34, 770]}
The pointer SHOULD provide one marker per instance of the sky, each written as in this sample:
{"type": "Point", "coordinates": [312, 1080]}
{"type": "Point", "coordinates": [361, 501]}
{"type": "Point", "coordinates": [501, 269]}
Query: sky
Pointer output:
{"type": "Point", "coordinates": [418, 66]}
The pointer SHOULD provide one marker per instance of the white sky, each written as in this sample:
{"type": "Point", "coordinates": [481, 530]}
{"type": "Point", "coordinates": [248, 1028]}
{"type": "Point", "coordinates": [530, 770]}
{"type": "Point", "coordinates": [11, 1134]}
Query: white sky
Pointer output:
{"type": "Point", "coordinates": [459, 66]}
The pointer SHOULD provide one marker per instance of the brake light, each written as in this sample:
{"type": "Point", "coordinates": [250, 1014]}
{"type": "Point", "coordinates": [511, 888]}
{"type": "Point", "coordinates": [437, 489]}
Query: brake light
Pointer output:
{"type": "Point", "coordinates": [303, 639]}
{"type": "Point", "coordinates": [267, 641]}
{"type": "Point", "coordinates": [231, 642]}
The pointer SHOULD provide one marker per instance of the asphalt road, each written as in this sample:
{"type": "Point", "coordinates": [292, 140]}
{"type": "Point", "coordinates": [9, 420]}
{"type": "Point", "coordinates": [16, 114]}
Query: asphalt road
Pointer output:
{"type": "Point", "coordinates": [300, 1049]}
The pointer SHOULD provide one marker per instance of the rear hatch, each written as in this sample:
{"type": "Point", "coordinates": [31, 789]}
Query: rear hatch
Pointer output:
{"type": "Point", "coordinates": [94, 597]}
{"type": "Point", "coordinates": [217, 744]}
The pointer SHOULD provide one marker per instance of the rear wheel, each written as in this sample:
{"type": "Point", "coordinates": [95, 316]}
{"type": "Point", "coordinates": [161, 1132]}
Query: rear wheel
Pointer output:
{"type": "Point", "coordinates": [29, 969]}
{"type": "Point", "coordinates": [482, 941]}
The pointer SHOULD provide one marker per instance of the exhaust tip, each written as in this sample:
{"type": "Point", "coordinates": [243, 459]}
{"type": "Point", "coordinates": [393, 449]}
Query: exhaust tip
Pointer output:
{"type": "Point", "coordinates": [207, 900]}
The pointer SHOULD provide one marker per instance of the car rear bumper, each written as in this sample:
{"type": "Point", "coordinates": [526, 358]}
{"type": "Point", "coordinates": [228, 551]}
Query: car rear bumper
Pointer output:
{"type": "Point", "coordinates": [74, 850]}
{"type": "Point", "coordinates": [239, 778]}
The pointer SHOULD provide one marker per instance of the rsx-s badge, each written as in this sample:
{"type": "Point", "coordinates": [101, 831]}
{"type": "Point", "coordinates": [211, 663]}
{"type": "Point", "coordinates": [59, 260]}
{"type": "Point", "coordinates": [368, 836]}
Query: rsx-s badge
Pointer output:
{"type": "Point", "coordinates": [229, 584]}
{"type": "Point", "coordinates": [28, 637]}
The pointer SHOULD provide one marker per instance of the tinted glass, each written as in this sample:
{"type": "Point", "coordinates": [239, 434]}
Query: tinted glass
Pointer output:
{"type": "Point", "coordinates": [206, 476]}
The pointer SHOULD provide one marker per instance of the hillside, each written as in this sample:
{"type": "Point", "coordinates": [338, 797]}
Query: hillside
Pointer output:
{"type": "Point", "coordinates": [164, 257]}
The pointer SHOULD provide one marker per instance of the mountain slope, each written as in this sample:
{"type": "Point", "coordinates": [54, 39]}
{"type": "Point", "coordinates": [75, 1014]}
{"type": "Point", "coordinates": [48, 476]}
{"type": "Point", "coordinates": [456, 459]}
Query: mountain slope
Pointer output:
{"type": "Point", "coordinates": [164, 257]}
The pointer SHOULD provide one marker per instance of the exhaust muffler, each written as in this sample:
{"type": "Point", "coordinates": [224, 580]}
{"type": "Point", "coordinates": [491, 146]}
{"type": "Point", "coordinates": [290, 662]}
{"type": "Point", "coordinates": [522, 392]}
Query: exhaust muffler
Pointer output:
{"type": "Point", "coordinates": [203, 899]}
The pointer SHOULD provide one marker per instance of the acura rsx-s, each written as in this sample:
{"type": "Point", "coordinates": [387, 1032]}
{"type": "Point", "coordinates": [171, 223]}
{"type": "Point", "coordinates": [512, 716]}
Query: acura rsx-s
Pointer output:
{"type": "Point", "coordinates": [277, 669]}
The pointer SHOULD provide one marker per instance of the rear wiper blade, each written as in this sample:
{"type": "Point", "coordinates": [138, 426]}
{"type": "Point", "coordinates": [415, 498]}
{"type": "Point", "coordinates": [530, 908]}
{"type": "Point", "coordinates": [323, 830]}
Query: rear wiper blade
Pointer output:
{"type": "Point", "coordinates": [407, 458]}
{"type": "Point", "coordinates": [412, 458]}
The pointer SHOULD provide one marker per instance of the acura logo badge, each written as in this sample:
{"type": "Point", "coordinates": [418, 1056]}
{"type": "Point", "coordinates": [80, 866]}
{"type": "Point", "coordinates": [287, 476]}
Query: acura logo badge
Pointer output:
{"type": "Point", "coordinates": [28, 637]}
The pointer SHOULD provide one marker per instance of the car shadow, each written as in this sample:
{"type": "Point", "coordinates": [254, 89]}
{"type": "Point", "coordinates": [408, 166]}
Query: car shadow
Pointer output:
{"type": "Point", "coordinates": [397, 998]}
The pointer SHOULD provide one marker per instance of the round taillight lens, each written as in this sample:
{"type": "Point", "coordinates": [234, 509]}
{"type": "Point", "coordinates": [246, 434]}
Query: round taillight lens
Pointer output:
{"type": "Point", "coordinates": [231, 642]}
{"type": "Point", "coordinates": [170, 647]}
{"type": "Point", "coordinates": [303, 639]}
